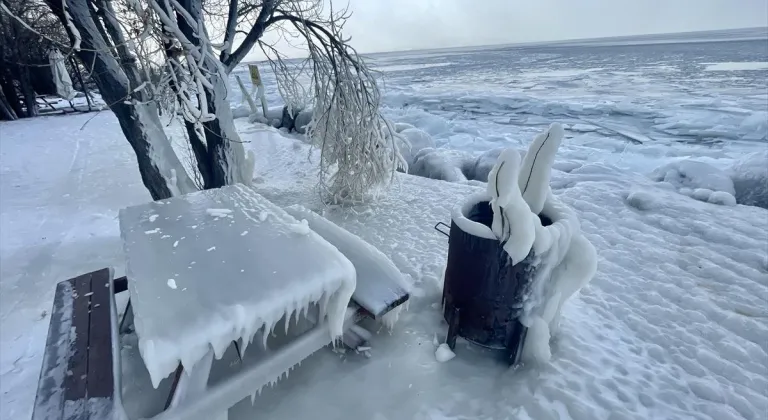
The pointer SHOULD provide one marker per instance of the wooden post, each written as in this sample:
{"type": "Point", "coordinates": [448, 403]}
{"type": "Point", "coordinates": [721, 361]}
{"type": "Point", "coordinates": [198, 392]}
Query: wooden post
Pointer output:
{"type": "Point", "coordinates": [82, 83]}
{"type": "Point", "coordinates": [256, 80]}
{"type": "Point", "coordinates": [246, 95]}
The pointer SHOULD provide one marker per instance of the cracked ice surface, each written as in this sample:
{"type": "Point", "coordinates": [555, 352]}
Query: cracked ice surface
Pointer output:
{"type": "Point", "coordinates": [224, 301]}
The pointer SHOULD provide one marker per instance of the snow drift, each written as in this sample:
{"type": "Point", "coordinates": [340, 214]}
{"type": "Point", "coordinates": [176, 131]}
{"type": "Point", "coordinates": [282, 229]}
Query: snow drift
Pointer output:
{"type": "Point", "coordinates": [750, 179]}
{"type": "Point", "coordinates": [697, 180]}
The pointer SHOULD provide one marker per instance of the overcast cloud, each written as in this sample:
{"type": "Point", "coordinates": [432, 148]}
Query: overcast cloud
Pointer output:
{"type": "Point", "coordinates": [389, 25]}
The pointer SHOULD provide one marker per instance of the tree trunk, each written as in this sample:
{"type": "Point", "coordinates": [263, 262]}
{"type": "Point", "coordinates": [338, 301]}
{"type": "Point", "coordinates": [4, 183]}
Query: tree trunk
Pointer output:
{"type": "Point", "coordinates": [161, 171]}
{"type": "Point", "coordinates": [22, 73]}
{"type": "Point", "coordinates": [225, 153]}
{"type": "Point", "coordinates": [28, 92]}
{"type": "Point", "coordinates": [6, 112]}
{"type": "Point", "coordinates": [10, 94]}
{"type": "Point", "coordinates": [82, 83]}
{"type": "Point", "coordinates": [199, 149]}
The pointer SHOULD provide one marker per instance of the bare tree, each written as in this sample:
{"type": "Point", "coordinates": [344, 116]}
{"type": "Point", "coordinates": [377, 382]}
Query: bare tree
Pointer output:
{"type": "Point", "coordinates": [157, 56]}
{"type": "Point", "coordinates": [24, 54]}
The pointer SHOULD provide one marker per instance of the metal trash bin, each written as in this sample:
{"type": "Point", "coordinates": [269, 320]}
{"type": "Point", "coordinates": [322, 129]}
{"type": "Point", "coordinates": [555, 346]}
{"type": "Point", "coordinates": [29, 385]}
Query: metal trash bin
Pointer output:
{"type": "Point", "coordinates": [483, 292]}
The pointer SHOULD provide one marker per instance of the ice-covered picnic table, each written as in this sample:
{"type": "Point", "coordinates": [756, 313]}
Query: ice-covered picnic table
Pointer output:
{"type": "Point", "coordinates": [224, 265]}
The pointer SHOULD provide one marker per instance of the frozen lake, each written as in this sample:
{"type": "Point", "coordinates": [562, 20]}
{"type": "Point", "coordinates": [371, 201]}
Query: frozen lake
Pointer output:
{"type": "Point", "coordinates": [707, 89]}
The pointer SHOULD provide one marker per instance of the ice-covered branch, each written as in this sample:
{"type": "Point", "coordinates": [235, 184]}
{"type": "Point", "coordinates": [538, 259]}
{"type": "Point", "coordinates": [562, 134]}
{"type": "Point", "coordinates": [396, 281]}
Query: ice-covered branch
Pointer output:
{"type": "Point", "coordinates": [229, 32]}
{"type": "Point", "coordinates": [358, 149]}
{"type": "Point", "coordinates": [72, 29]}
{"type": "Point", "coordinates": [256, 32]}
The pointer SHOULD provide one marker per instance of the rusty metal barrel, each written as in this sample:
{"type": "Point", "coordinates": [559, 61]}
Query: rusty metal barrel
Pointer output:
{"type": "Point", "coordinates": [483, 291]}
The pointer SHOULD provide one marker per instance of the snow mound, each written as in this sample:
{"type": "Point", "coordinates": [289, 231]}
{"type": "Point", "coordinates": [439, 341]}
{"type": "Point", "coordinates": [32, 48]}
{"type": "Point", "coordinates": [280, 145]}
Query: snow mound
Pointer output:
{"type": "Point", "coordinates": [481, 167]}
{"type": "Point", "coordinates": [440, 164]}
{"type": "Point", "coordinates": [302, 120]}
{"type": "Point", "coordinates": [750, 179]}
{"type": "Point", "coordinates": [722, 198]}
{"type": "Point", "coordinates": [443, 353]}
{"type": "Point", "coordinates": [417, 139]}
{"type": "Point", "coordinates": [241, 111]}
{"type": "Point", "coordinates": [401, 126]}
{"type": "Point", "coordinates": [641, 200]}
{"type": "Point", "coordinates": [697, 180]}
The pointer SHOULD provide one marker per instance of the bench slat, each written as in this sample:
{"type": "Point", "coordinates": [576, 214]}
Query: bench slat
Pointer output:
{"type": "Point", "coordinates": [49, 402]}
{"type": "Point", "coordinates": [77, 366]}
{"type": "Point", "coordinates": [76, 380]}
{"type": "Point", "coordinates": [100, 374]}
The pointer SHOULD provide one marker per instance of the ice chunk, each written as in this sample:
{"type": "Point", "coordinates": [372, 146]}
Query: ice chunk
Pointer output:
{"type": "Point", "coordinates": [219, 212]}
{"type": "Point", "coordinates": [702, 194]}
{"type": "Point", "coordinates": [693, 174]}
{"type": "Point", "coordinates": [641, 200]}
{"type": "Point", "coordinates": [401, 126]}
{"type": "Point", "coordinates": [172, 283]}
{"type": "Point", "coordinates": [481, 167]}
{"type": "Point", "coordinates": [512, 218]}
{"type": "Point", "coordinates": [536, 348]}
{"type": "Point", "coordinates": [153, 217]}
{"type": "Point", "coordinates": [152, 231]}
{"type": "Point", "coordinates": [722, 198]}
{"type": "Point", "coordinates": [536, 169]}
{"type": "Point", "coordinates": [302, 228]}
{"type": "Point", "coordinates": [211, 249]}
{"type": "Point", "coordinates": [736, 66]}
{"type": "Point", "coordinates": [175, 244]}
{"type": "Point", "coordinates": [415, 141]}
{"type": "Point", "coordinates": [443, 353]}
{"type": "Point", "coordinates": [245, 232]}
{"type": "Point", "coordinates": [439, 164]}
{"type": "Point", "coordinates": [750, 179]}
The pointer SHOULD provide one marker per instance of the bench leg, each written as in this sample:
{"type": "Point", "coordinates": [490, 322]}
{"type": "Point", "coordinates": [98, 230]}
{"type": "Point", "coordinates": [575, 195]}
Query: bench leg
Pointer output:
{"type": "Point", "coordinates": [193, 384]}
{"type": "Point", "coordinates": [127, 321]}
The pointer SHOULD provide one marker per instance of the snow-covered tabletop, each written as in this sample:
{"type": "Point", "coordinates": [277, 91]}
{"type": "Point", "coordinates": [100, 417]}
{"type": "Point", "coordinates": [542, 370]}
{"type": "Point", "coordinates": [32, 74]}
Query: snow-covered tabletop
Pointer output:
{"type": "Point", "coordinates": [215, 266]}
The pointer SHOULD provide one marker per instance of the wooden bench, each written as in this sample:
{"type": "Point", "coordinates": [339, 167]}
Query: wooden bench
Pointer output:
{"type": "Point", "coordinates": [77, 378]}
{"type": "Point", "coordinates": [81, 374]}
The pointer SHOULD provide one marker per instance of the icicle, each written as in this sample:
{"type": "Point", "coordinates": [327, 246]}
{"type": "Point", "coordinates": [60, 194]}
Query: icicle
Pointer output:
{"type": "Point", "coordinates": [264, 336]}
{"type": "Point", "coordinates": [243, 346]}
{"type": "Point", "coordinates": [253, 398]}
{"type": "Point", "coordinates": [287, 317]}
{"type": "Point", "coordinates": [305, 307]}
{"type": "Point", "coordinates": [324, 305]}
{"type": "Point", "coordinates": [296, 312]}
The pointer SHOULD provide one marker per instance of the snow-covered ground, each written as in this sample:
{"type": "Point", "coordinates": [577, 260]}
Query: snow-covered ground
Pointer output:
{"type": "Point", "coordinates": [673, 326]}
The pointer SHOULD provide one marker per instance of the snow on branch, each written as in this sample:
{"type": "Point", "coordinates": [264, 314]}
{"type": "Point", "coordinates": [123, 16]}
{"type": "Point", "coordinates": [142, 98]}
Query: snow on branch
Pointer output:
{"type": "Point", "coordinates": [71, 26]}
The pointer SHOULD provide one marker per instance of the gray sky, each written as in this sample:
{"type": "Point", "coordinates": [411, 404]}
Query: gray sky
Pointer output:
{"type": "Point", "coordinates": [389, 25]}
